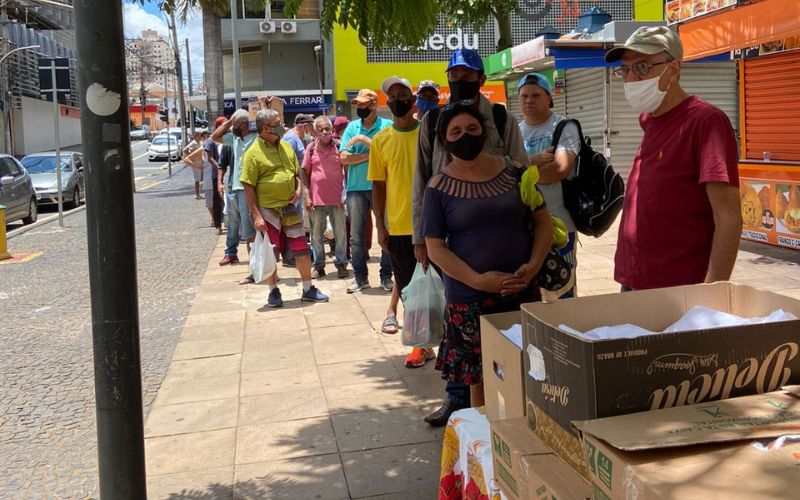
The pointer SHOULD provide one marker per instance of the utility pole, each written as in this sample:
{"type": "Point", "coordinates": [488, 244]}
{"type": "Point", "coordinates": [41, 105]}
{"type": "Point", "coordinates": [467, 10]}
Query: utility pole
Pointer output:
{"type": "Point", "coordinates": [189, 71]}
{"type": "Point", "coordinates": [178, 74]}
{"type": "Point", "coordinates": [103, 88]}
{"type": "Point", "coordinates": [166, 107]}
{"type": "Point", "coordinates": [237, 81]}
{"type": "Point", "coordinates": [4, 75]}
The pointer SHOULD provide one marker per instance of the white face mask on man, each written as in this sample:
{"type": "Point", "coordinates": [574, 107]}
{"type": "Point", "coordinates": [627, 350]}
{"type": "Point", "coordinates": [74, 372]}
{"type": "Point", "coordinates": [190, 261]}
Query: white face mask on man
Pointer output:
{"type": "Point", "coordinates": [644, 96]}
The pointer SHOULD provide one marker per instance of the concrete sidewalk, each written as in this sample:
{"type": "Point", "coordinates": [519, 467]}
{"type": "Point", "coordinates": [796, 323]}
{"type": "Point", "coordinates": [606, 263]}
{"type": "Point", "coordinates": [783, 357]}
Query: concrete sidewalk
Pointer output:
{"type": "Point", "coordinates": [309, 401]}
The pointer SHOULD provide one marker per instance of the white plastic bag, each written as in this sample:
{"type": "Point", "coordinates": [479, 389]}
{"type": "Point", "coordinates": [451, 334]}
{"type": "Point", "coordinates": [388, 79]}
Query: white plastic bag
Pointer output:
{"type": "Point", "coordinates": [423, 301]}
{"type": "Point", "coordinates": [262, 258]}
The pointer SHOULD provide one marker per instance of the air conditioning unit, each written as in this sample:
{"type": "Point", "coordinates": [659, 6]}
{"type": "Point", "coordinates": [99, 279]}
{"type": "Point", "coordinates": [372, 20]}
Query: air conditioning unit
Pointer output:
{"type": "Point", "coordinates": [288, 27]}
{"type": "Point", "coordinates": [267, 27]}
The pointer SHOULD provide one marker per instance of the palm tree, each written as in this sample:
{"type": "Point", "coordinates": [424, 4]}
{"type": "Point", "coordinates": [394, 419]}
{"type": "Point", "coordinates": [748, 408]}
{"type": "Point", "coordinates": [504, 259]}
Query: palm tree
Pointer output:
{"type": "Point", "coordinates": [212, 11]}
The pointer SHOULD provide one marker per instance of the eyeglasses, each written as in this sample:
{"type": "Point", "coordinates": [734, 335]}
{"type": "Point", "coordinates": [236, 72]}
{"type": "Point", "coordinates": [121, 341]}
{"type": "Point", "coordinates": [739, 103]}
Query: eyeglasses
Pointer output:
{"type": "Point", "coordinates": [641, 68]}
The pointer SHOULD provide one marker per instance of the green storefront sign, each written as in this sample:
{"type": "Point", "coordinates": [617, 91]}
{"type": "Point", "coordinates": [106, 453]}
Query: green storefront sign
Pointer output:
{"type": "Point", "coordinates": [497, 64]}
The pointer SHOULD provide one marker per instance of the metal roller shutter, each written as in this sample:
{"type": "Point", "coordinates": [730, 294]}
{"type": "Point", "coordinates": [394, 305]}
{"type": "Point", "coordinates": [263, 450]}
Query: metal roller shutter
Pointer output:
{"type": "Point", "coordinates": [625, 133]}
{"type": "Point", "coordinates": [716, 83]}
{"type": "Point", "coordinates": [512, 99]}
{"type": "Point", "coordinates": [772, 107]}
{"type": "Point", "coordinates": [585, 102]}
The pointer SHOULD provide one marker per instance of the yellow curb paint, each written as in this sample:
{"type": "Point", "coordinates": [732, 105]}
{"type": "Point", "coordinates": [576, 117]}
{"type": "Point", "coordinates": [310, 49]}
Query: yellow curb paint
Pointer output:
{"type": "Point", "coordinates": [152, 185]}
{"type": "Point", "coordinates": [22, 258]}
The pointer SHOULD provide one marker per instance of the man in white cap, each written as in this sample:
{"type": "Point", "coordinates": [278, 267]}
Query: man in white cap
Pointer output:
{"type": "Point", "coordinates": [391, 170]}
{"type": "Point", "coordinates": [681, 221]}
{"type": "Point", "coordinates": [355, 154]}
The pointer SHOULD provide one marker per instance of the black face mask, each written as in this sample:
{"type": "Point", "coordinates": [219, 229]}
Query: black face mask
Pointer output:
{"type": "Point", "coordinates": [363, 113]}
{"type": "Point", "coordinates": [467, 147]}
{"type": "Point", "coordinates": [400, 108]}
{"type": "Point", "coordinates": [461, 90]}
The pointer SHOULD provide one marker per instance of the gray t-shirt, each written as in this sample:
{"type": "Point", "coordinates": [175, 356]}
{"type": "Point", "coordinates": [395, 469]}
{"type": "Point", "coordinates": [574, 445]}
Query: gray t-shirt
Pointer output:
{"type": "Point", "coordinates": [539, 138]}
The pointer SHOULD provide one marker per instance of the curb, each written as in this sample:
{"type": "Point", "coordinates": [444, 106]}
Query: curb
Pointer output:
{"type": "Point", "coordinates": [42, 222]}
{"type": "Point", "coordinates": [54, 217]}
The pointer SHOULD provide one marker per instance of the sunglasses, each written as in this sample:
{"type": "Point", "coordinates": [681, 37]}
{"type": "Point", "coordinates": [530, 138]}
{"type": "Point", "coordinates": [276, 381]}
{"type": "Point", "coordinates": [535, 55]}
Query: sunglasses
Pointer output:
{"type": "Point", "coordinates": [641, 68]}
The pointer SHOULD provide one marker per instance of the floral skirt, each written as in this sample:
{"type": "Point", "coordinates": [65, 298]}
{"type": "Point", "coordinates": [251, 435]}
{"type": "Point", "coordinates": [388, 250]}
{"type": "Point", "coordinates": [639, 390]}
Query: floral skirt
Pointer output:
{"type": "Point", "coordinates": [459, 357]}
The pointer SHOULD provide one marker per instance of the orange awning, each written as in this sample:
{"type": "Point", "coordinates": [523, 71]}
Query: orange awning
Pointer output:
{"type": "Point", "coordinates": [741, 27]}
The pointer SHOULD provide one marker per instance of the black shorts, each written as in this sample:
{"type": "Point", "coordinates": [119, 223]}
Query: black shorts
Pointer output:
{"type": "Point", "coordinates": [401, 254]}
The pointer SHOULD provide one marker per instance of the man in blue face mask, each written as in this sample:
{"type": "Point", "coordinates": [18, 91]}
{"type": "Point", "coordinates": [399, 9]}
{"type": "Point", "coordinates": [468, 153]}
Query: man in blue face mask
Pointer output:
{"type": "Point", "coordinates": [427, 98]}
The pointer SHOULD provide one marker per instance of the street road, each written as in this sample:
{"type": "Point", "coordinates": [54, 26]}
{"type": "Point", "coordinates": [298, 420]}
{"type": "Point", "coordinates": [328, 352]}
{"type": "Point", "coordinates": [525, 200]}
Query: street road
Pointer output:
{"type": "Point", "coordinates": [47, 417]}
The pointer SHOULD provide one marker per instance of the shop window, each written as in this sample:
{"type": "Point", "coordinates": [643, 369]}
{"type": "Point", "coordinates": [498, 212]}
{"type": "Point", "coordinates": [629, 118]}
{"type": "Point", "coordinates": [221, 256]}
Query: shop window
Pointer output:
{"type": "Point", "coordinates": [771, 110]}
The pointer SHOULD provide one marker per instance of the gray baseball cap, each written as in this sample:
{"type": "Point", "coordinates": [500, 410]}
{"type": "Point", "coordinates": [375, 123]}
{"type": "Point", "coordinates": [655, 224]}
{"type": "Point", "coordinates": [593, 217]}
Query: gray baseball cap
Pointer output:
{"type": "Point", "coordinates": [650, 40]}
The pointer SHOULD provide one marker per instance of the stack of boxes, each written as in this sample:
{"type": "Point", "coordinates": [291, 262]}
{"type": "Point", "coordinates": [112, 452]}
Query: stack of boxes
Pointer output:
{"type": "Point", "coordinates": [562, 407]}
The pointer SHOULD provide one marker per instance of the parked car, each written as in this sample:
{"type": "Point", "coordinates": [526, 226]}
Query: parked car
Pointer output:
{"type": "Point", "coordinates": [141, 133]}
{"type": "Point", "coordinates": [164, 145]}
{"type": "Point", "coordinates": [16, 192]}
{"type": "Point", "coordinates": [175, 133]}
{"type": "Point", "coordinates": [42, 169]}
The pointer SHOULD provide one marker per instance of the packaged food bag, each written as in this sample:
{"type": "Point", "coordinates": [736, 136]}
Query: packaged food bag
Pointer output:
{"type": "Point", "coordinates": [423, 301]}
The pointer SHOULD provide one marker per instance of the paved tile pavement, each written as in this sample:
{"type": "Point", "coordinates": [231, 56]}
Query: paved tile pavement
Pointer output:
{"type": "Point", "coordinates": [47, 414]}
{"type": "Point", "coordinates": [309, 401]}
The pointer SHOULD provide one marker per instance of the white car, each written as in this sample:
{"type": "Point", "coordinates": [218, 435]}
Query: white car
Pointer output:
{"type": "Point", "coordinates": [162, 147]}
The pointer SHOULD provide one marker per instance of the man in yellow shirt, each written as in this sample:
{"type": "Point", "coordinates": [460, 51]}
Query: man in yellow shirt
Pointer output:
{"type": "Point", "coordinates": [271, 179]}
{"type": "Point", "coordinates": [391, 170]}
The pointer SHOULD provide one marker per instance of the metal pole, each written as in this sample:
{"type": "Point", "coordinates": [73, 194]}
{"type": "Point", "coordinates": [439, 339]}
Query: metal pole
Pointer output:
{"type": "Point", "coordinates": [189, 71]}
{"type": "Point", "coordinates": [4, 72]}
{"type": "Point", "coordinates": [112, 249]}
{"type": "Point", "coordinates": [178, 74]}
{"type": "Point", "coordinates": [166, 107]}
{"type": "Point", "coordinates": [237, 83]}
{"type": "Point", "coordinates": [58, 144]}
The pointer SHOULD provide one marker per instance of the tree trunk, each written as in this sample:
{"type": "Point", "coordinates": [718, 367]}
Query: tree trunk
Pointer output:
{"type": "Point", "coordinates": [503, 18]}
{"type": "Point", "coordinates": [214, 80]}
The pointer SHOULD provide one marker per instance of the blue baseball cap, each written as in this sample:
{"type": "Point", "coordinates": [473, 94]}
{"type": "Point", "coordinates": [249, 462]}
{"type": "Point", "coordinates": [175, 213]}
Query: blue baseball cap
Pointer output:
{"type": "Point", "coordinates": [468, 58]}
{"type": "Point", "coordinates": [536, 79]}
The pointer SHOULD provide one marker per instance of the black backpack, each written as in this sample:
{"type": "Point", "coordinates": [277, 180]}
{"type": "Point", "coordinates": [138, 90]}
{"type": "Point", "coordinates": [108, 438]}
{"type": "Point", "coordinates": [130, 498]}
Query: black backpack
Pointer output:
{"type": "Point", "coordinates": [594, 196]}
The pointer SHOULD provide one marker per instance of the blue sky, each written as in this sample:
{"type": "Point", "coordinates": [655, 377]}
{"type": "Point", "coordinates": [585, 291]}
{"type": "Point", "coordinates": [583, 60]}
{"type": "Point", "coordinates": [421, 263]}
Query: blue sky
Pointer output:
{"type": "Point", "coordinates": [138, 17]}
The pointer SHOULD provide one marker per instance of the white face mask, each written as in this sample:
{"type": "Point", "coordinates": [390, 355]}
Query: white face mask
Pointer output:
{"type": "Point", "coordinates": [644, 96]}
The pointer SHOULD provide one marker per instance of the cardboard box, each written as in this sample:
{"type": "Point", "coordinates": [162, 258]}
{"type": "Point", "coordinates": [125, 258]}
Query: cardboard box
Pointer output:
{"type": "Point", "coordinates": [701, 451]}
{"type": "Point", "coordinates": [585, 379]}
{"type": "Point", "coordinates": [503, 385]}
{"type": "Point", "coordinates": [525, 468]}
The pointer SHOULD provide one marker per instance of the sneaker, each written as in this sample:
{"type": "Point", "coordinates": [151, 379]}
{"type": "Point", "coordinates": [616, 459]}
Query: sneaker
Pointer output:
{"type": "Point", "coordinates": [290, 263]}
{"type": "Point", "coordinates": [418, 357]}
{"type": "Point", "coordinates": [355, 286]}
{"type": "Point", "coordinates": [249, 280]}
{"type": "Point", "coordinates": [275, 299]}
{"type": "Point", "coordinates": [313, 295]}
{"type": "Point", "coordinates": [229, 259]}
{"type": "Point", "coordinates": [387, 284]}
{"type": "Point", "coordinates": [341, 271]}
{"type": "Point", "coordinates": [318, 273]}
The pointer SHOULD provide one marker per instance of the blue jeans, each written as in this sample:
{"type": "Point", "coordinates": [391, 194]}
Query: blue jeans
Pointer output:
{"type": "Point", "coordinates": [458, 393]}
{"type": "Point", "coordinates": [240, 227]}
{"type": "Point", "coordinates": [359, 204]}
{"type": "Point", "coordinates": [319, 223]}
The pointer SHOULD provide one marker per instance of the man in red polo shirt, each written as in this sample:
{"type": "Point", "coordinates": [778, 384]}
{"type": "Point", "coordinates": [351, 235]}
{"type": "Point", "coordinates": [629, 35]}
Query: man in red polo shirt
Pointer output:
{"type": "Point", "coordinates": [681, 221]}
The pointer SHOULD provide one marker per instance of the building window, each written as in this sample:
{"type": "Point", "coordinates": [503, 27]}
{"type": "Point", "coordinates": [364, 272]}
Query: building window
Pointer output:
{"type": "Point", "coordinates": [250, 67]}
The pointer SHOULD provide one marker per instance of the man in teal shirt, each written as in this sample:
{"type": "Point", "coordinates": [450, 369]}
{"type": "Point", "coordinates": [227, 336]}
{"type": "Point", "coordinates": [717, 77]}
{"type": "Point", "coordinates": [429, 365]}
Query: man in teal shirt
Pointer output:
{"type": "Point", "coordinates": [236, 134]}
{"type": "Point", "coordinates": [356, 141]}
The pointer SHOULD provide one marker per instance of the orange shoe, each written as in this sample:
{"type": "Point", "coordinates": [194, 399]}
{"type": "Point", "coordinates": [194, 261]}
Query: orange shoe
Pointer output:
{"type": "Point", "coordinates": [419, 357]}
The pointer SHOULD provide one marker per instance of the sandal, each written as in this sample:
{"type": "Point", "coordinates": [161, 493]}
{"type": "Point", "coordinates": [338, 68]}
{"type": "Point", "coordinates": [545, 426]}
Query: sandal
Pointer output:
{"type": "Point", "coordinates": [389, 325]}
